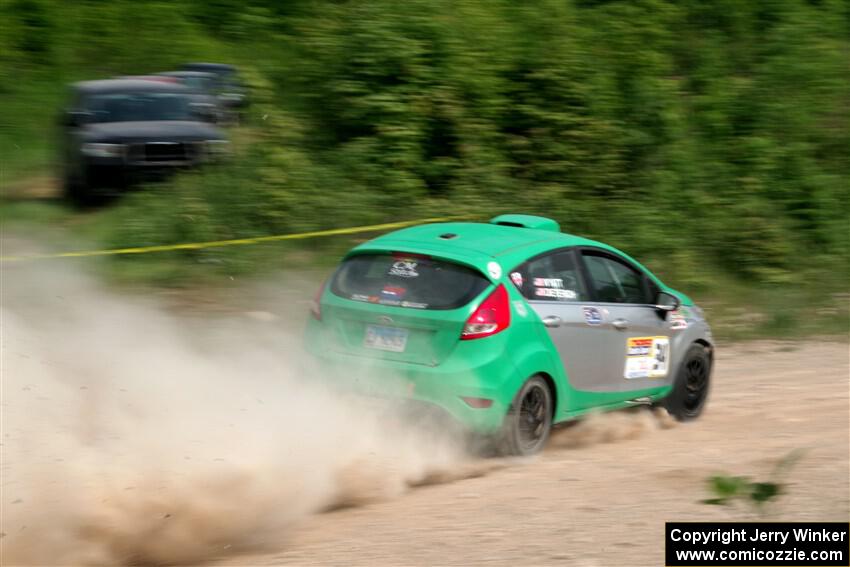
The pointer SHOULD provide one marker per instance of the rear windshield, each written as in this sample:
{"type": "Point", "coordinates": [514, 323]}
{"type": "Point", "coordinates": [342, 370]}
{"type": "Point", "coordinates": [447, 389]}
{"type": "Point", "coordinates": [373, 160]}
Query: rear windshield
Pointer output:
{"type": "Point", "coordinates": [404, 281]}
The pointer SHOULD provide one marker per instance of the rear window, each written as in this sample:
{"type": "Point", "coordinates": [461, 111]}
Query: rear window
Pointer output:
{"type": "Point", "coordinates": [407, 281]}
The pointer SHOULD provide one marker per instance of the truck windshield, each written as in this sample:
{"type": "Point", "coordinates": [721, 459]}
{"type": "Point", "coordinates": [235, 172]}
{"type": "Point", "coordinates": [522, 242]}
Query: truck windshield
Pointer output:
{"type": "Point", "coordinates": [140, 107]}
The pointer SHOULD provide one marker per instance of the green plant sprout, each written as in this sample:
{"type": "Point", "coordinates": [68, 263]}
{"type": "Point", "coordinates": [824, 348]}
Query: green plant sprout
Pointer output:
{"type": "Point", "coordinates": [728, 489]}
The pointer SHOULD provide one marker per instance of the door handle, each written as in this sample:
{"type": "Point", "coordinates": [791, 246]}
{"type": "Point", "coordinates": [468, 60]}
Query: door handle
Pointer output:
{"type": "Point", "coordinates": [552, 321]}
{"type": "Point", "coordinates": [620, 324]}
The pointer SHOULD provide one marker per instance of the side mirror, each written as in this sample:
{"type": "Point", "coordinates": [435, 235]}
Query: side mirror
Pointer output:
{"type": "Point", "coordinates": [666, 302]}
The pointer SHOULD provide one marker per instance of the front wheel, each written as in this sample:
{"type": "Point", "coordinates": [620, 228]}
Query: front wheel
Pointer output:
{"type": "Point", "coordinates": [75, 188]}
{"type": "Point", "coordinates": [529, 421]}
{"type": "Point", "coordinates": [690, 390]}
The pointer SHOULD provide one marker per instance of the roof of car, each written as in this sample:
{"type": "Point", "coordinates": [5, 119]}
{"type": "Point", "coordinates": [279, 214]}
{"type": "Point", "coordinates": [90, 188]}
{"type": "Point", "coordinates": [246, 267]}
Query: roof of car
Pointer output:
{"type": "Point", "coordinates": [129, 85]}
{"type": "Point", "coordinates": [477, 244]}
{"type": "Point", "coordinates": [210, 66]}
{"type": "Point", "coordinates": [201, 74]}
{"type": "Point", "coordinates": [473, 239]}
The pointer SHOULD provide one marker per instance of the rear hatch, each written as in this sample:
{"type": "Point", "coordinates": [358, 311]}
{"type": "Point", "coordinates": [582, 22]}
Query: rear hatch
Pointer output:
{"type": "Point", "coordinates": [398, 306]}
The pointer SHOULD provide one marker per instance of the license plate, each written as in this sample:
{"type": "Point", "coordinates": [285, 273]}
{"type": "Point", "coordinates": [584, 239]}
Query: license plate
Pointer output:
{"type": "Point", "coordinates": [392, 339]}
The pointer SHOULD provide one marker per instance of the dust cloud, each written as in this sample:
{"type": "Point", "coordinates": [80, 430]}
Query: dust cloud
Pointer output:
{"type": "Point", "coordinates": [134, 436]}
{"type": "Point", "coordinates": [131, 435]}
{"type": "Point", "coordinates": [599, 428]}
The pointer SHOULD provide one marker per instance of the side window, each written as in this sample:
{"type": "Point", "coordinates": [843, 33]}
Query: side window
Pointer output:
{"type": "Point", "coordinates": [614, 281]}
{"type": "Point", "coordinates": [553, 277]}
{"type": "Point", "coordinates": [653, 290]}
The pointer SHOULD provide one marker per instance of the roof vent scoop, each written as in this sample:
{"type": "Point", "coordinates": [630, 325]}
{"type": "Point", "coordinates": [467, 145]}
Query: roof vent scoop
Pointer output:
{"type": "Point", "coordinates": [527, 221]}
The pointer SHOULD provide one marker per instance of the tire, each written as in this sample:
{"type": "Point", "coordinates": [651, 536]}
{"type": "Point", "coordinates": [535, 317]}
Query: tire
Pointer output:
{"type": "Point", "coordinates": [73, 192]}
{"type": "Point", "coordinates": [690, 389]}
{"type": "Point", "coordinates": [74, 189]}
{"type": "Point", "coordinates": [529, 421]}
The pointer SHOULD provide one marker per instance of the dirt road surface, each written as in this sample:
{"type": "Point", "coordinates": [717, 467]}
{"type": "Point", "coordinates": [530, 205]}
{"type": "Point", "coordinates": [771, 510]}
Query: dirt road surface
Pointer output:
{"type": "Point", "coordinates": [133, 436]}
{"type": "Point", "coordinates": [605, 503]}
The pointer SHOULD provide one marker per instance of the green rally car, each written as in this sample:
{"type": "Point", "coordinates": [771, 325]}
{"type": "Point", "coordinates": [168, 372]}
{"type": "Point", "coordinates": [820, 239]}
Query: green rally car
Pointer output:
{"type": "Point", "coordinates": [509, 327]}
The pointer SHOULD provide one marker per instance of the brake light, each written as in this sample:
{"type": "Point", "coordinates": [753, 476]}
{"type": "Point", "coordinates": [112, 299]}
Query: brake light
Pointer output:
{"type": "Point", "coordinates": [316, 304]}
{"type": "Point", "coordinates": [492, 316]}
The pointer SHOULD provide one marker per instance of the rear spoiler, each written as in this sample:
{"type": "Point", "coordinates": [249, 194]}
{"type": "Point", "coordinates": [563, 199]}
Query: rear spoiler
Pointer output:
{"type": "Point", "coordinates": [527, 221]}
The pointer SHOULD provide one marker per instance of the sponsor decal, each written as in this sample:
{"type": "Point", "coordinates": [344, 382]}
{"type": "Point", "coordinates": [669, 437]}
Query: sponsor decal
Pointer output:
{"type": "Point", "coordinates": [404, 269]}
{"type": "Point", "coordinates": [678, 321]}
{"type": "Point", "coordinates": [549, 282]}
{"type": "Point", "coordinates": [516, 277]}
{"type": "Point", "coordinates": [495, 270]}
{"type": "Point", "coordinates": [639, 346]}
{"type": "Point", "coordinates": [555, 293]}
{"type": "Point", "coordinates": [390, 295]}
{"type": "Point", "coordinates": [647, 357]}
{"type": "Point", "coordinates": [592, 315]}
{"type": "Point", "coordinates": [393, 292]}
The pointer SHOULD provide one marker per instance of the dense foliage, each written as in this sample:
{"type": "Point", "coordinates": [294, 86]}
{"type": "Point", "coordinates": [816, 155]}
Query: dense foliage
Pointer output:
{"type": "Point", "coordinates": [700, 135]}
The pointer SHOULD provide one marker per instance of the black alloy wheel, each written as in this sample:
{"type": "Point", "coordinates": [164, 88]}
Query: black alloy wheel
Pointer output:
{"type": "Point", "coordinates": [690, 389]}
{"type": "Point", "coordinates": [529, 422]}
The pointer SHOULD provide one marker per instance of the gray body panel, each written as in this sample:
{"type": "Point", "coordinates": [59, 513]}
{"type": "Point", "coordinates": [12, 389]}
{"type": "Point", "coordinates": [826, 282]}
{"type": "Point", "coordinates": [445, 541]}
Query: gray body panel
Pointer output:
{"type": "Point", "coordinates": [594, 356]}
{"type": "Point", "coordinates": [608, 347]}
{"type": "Point", "coordinates": [581, 347]}
{"type": "Point", "coordinates": [639, 321]}
{"type": "Point", "coordinates": [697, 330]}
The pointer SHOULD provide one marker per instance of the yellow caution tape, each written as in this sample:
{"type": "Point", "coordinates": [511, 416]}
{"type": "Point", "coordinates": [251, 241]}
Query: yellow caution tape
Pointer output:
{"type": "Point", "coordinates": [233, 242]}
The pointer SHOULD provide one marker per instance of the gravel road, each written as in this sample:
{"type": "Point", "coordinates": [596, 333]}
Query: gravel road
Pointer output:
{"type": "Point", "coordinates": [600, 494]}
{"type": "Point", "coordinates": [134, 436]}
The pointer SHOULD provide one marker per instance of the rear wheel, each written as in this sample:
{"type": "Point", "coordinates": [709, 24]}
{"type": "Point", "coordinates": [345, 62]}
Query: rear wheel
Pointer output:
{"type": "Point", "coordinates": [690, 390]}
{"type": "Point", "coordinates": [529, 421]}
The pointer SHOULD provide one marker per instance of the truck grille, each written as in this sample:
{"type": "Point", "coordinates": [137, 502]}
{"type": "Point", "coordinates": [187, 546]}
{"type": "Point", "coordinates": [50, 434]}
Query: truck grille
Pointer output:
{"type": "Point", "coordinates": [165, 153]}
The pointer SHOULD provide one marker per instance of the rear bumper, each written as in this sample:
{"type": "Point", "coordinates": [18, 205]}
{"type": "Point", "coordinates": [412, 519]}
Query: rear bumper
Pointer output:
{"type": "Point", "coordinates": [417, 386]}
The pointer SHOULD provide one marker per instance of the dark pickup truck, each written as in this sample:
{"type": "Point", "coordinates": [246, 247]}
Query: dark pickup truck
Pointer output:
{"type": "Point", "coordinates": [119, 131]}
{"type": "Point", "coordinates": [227, 85]}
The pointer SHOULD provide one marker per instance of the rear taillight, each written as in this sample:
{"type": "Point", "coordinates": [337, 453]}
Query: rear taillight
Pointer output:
{"type": "Point", "coordinates": [491, 317]}
{"type": "Point", "coordinates": [316, 304]}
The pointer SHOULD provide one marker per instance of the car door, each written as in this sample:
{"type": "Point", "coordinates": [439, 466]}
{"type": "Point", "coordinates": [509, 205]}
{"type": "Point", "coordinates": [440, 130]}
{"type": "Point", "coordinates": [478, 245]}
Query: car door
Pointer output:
{"type": "Point", "coordinates": [553, 285]}
{"type": "Point", "coordinates": [634, 337]}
